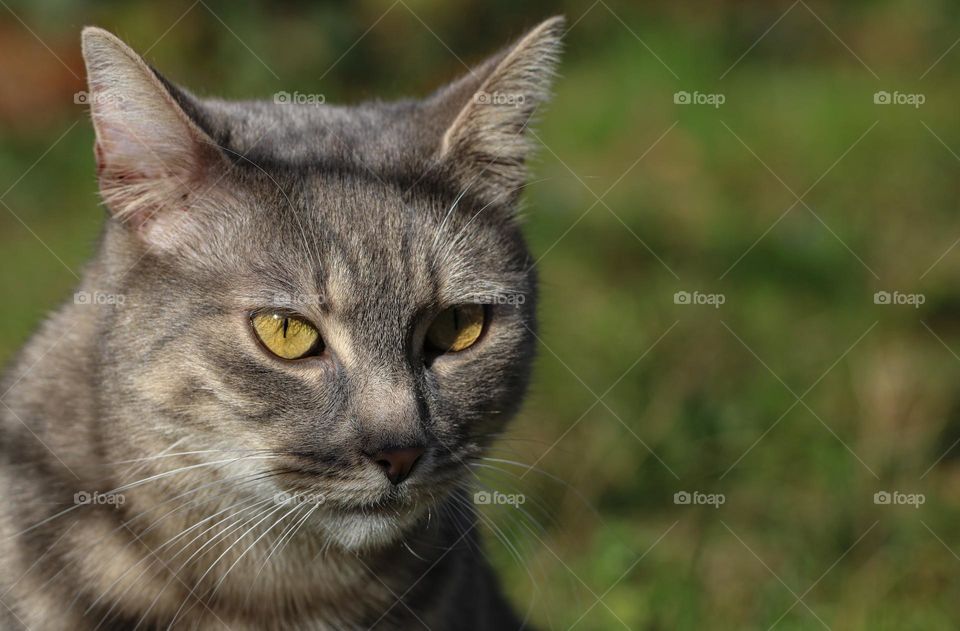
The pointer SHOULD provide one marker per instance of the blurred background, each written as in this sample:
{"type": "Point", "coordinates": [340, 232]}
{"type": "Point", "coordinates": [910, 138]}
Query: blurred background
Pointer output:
{"type": "Point", "coordinates": [729, 428]}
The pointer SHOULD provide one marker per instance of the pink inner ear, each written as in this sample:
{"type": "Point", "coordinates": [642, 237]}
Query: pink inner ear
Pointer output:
{"type": "Point", "coordinates": [133, 146]}
{"type": "Point", "coordinates": [122, 164]}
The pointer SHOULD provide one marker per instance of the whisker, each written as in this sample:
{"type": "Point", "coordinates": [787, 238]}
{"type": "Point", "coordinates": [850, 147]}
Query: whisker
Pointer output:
{"type": "Point", "coordinates": [256, 477]}
{"type": "Point", "coordinates": [200, 550]}
{"type": "Point", "coordinates": [546, 512]}
{"type": "Point", "coordinates": [131, 470]}
{"type": "Point", "coordinates": [162, 455]}
{"type": "Point", "coordinates": [129, 521]}
{"type": "Point", "coordinates": [132, 583]}
{"type": "Point", "coordinates": [158, 476]}
{"type": "Point", "coordinates": [250, 547]}
{"type": "Point", "coordinates": [292, 528]}
{"type": "Point", "coordinates": [223, 554]}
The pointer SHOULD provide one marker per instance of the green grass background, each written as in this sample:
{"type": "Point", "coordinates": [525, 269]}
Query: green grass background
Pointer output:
{"type": "Point", "coordinates": [704, 398]}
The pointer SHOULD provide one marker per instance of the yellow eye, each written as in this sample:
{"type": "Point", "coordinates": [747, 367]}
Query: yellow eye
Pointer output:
{"type": "Point", "coordinates": [286, 336]}
{"type": "Point", "coordinates": [456, 328]}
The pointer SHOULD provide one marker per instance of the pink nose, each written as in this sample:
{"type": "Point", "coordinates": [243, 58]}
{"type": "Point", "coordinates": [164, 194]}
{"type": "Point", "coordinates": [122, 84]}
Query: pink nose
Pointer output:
{"type": "Point", "coordinates": [397, 463]}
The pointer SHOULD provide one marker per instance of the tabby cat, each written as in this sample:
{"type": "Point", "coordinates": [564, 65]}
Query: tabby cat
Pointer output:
{"type": "Point", "coordinates": [302, 329]}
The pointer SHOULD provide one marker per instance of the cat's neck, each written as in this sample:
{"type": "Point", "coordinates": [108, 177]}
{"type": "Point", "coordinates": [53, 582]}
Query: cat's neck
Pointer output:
{"type": "Point", "coordinates": [247, 578]}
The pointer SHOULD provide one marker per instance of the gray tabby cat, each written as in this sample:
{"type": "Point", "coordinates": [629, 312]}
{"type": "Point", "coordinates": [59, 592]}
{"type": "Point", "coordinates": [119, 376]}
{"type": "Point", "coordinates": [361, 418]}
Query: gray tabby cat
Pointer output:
{"type": "Point", "coordinates": [262, 408]}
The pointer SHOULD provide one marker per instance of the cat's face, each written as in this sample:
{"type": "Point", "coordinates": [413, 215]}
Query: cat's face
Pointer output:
{"type": "Point", "coordinates": [348, 317]}
{"type": "Point", "coordinates": [371, 271]}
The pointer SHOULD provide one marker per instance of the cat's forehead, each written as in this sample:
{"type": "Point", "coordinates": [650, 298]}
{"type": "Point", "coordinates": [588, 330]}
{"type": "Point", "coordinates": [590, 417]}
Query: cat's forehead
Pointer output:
{"type": "Point", "coordinates": [374, 139]}
{"type": "Point", "coordinates": [364, 245]}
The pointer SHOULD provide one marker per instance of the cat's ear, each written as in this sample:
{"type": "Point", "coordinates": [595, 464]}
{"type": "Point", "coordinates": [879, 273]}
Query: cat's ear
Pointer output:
{"type": "Point", "coordinates": [487, 141]}
{"type": "Point", "coordinates": [151, 157]}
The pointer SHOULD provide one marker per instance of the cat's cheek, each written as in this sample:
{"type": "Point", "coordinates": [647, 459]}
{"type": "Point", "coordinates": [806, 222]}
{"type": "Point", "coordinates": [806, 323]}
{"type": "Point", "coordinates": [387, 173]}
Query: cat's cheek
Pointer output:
{"type": "Point", "coordinates": [336, 337]}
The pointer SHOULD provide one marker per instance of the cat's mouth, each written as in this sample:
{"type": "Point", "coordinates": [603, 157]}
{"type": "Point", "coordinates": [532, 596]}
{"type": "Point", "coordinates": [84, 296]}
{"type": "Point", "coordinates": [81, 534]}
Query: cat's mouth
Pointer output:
{"type": "Point", "coordinates": [385, 508]}
{"type": "Point", "coordinates": [360, 517]}
{"type": "Point", "coordinates": [355, 501]}
{"type": "Point", "coordinates": [306, 485]}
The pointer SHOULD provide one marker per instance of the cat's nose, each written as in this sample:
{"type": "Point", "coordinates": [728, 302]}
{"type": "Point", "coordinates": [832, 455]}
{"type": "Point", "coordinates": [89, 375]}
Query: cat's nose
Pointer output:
{"type": "Point", "coordinates": [397, 463]}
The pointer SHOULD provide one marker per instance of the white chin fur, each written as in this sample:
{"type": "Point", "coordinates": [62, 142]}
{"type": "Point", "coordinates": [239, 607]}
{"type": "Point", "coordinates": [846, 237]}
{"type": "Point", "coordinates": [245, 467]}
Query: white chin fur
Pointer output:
{"type": "Point", "coordinates": [357, 532]}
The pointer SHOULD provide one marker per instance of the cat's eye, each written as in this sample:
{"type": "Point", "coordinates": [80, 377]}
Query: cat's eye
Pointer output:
{"type": "Point", "coordinates": [287, 336]}
{"type": "Point", "coordinates": [456, 328]}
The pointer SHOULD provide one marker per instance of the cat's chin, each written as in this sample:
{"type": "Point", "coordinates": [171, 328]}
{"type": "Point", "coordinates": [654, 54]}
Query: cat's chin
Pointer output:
{"type": "Point", "coordinates": [359, 531]}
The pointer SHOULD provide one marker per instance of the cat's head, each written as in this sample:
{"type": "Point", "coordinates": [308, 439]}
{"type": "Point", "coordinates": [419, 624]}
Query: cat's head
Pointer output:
{"type": "Point", "coordinates": [338, 298]}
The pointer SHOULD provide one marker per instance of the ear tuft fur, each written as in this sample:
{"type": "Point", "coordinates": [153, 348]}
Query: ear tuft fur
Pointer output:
{"type": "Point", "coordinates": [487, 143]}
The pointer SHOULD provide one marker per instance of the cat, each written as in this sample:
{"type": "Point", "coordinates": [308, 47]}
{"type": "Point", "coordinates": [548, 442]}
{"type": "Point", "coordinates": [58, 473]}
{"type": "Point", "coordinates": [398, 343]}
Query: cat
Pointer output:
{"type": "Point", "coordinates": [302, 329]}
